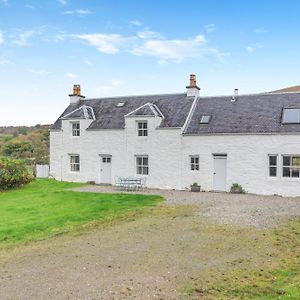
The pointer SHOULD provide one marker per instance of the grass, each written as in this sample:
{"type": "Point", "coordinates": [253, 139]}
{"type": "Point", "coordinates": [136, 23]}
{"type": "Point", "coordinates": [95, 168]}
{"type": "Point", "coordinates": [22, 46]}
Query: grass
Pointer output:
{"type": "Point", "coordinates": [45, 208]}
{"type": "Point", "coordinates": [274, 274]}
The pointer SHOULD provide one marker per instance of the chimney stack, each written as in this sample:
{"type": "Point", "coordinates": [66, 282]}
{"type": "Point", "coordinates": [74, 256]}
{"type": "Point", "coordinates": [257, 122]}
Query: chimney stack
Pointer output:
{"type": "Point", "coordinates": [192, 90]}
{"type": "Point", "coordinates": [76, 96]}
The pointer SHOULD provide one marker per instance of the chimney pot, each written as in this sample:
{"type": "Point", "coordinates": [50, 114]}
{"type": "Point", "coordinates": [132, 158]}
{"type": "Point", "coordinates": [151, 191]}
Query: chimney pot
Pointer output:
{"type": "Point", "coordinates": [76, 90]}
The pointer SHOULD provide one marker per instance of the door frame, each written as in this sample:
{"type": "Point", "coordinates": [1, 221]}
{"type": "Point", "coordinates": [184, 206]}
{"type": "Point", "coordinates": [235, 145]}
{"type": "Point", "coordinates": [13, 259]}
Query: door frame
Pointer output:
{"type": "Point", "coordinates": [101, 162]}
{"type": "Point", "coordinates": [219, 156]}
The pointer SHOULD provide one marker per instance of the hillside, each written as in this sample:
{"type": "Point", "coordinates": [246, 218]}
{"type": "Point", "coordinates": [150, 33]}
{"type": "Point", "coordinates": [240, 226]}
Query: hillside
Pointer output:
{"type": "Point", "coordinates": [29, 143]}
{"type": "Point", "coordinates": [291, 89]}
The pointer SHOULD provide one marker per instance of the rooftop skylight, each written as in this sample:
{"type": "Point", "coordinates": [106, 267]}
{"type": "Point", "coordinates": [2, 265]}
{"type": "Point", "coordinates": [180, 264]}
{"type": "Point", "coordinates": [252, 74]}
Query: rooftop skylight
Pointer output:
{"type": "Point", "coordinates": [120, 104]}
{"type": "Point", "coordinates": [205, 119]}
{"type": "Point", "coordinates": [291, 116]}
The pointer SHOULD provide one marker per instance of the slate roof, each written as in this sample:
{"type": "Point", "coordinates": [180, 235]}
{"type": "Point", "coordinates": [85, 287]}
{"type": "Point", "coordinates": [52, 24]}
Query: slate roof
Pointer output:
{"type": "Point", "coordinates": [174, 107]}
{"type": "Point", "coordinates": [260, 113]}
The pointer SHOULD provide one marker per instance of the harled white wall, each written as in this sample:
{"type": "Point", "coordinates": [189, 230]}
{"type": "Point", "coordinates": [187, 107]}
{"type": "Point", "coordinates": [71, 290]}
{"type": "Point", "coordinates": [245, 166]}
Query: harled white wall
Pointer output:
{"type": "Point", "coordinates": [169, 151]}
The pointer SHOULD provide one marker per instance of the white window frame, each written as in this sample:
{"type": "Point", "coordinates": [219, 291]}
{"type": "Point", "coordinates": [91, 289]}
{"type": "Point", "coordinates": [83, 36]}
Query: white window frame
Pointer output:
{"type": "Point", "coordinates": [142, 168]}
{"type": "Point", "coordinates": [270, 166]}
{"type": "Point", "coordinates": [291, 166]}
{"type": "Point", "coordinates": [75, 131]}
{"type": "Point", "coordinates": [194, 163]}
{"type": "Point", "coordinates": [74, 165]}
{"type": "Point", "coordinates": [285, 110]}
{"type": "Point", "coordinates": [143, 130]}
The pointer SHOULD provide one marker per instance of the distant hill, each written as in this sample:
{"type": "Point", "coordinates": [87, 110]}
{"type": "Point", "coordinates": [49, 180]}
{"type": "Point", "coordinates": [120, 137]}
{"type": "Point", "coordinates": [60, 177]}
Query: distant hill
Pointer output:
{"type": "Point", "coordinates": [291, 89]}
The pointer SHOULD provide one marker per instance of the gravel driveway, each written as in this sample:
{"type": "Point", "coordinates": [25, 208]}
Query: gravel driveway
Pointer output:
{"type": "Point", "coordinates": [225, 208]}
{"type": "Point", "coordinates": [148, 257]}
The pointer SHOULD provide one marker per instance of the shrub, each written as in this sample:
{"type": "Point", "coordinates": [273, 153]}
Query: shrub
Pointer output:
{"type": "Point", "coordinates": [13, 173]}
{"type": "Point", "coordinates": [237, 189]}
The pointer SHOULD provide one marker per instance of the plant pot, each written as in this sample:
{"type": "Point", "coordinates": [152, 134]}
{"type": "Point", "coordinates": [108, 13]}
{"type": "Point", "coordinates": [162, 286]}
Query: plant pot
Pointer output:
{"type": "Point", "coordinates": [236, 191]}
{"type": "Point", "coordinates": [195, 188]}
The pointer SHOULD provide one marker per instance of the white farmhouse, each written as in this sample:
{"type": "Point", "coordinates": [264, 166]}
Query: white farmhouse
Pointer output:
{"type": "Point", "coordinates": [176, 139]}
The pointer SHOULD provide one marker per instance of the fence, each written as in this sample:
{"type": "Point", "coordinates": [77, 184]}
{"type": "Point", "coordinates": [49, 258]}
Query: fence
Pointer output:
{"type": "Point", "coordinates": [42, 171]}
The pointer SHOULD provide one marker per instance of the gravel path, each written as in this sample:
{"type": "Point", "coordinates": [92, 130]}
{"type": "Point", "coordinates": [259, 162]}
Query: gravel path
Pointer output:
{"type": "Point", "coordinates": [149, 257]}
{"type": "Point", "coordinates": [225, 208]}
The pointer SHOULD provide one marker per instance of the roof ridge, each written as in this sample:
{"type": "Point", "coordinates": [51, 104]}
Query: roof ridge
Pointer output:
{"type": "Point", "coordinates": [133, 96]}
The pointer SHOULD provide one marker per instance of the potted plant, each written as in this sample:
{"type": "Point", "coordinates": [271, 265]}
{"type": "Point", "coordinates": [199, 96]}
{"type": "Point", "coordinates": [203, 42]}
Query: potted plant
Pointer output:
{"type": "Point", "coordinates": [195, 187]}
{"type": "Point", "coordinates": [236, 189]}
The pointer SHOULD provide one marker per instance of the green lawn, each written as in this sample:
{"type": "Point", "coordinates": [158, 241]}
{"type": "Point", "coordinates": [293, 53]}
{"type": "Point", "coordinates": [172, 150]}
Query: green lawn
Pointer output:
{"type": "Point", "coordinates": [46, 207]}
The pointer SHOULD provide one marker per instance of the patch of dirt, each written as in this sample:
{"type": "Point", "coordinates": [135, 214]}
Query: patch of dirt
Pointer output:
{"type": "Point", "coordinates": [144, 258]}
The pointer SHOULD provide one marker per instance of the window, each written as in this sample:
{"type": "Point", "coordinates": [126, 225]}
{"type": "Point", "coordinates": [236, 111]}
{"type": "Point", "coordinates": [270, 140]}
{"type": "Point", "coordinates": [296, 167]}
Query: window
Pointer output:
{"type": "Point", "coordinates": [120, 104]}
{"type": "Point", "coordinates": [291, 116]}
{"type": "Point", "coordinates": [291, 166]}
{"type": "Point", "coordinates": [194, 159]}
{"type": "Point", "coordinates": [142, 128]}
{"type": "Point", "coordinates": [75, 129]}
{"type": "Point", "coordinates": [74, 163]}
{"type": "Point", "coordinates": [205, 119]}
{"type": "Point", "coordinates": [272, 165]}
{"type": "Point", "coordinates": [142, 165]}
{"type": "Point", "coordinates": [106, 160]}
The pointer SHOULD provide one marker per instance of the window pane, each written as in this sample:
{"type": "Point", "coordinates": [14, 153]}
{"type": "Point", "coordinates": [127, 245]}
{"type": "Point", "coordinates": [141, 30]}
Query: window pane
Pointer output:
{"type": "Point", "coordinates": [286, 172]}
{"type": "Point", "coordinates": [273, 171]}
{"type": "Point", "coordinates": [296, 161]}
{"type": "Point", "coordinates": [295, 172]}
{"type": "Point", "coordinates": [291, 115]}
{"type": "Point", "coordinates": [145, 161]}
{"type": "Point", "coordinates": [197, 167]}
{"type": "Point", "coordinates": [273, 160]}
{"type": "Point", "coordinates": [286, 160]}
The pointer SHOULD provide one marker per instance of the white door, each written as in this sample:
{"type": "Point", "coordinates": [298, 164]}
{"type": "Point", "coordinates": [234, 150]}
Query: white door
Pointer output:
{"type": "Point", "coordinates": [219, 176]}
{"type": "Point", "coordinates": [105, 169]}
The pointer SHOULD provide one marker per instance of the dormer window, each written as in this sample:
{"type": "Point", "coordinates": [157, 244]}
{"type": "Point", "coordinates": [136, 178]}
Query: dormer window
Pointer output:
{"type": "Point", "coordinates": [142, 128]}
{"type": "Point", "coordinates": [205, 119]}
{"type": "Point", "coordinates": [291, 116]}
{"type": "Point", "coordinates": [75, 128]}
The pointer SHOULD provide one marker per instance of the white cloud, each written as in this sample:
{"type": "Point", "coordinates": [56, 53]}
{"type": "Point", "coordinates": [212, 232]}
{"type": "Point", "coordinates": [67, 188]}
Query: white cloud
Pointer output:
{"type": "Point", "coordinates": [22, 39]}
{"type": "Point", "coordinates": [136, 23]}
{"type": "Point", "coordinates": [260, 30]}
{"type": "Point", "coordinates": [150, 43]}
{"type": "Point", "coordinates": [5, 2]}
{"type": "Point", "coordinates": [174, 50]}
{"type": "Point", "coordinates": [148, 34]}
{"type": "Point", "coordinates": [106, 43]}
{"type": "Point", "coordinates": [29, 6]}
{"type": "Point", "coordinates": [210, 27]}
{"type": "Point", "coordinates": [109, 88]}
{"type": "Point", "coordinates": [62, 2]}
{"type": "Point", "coordinates": [40, 72]}
{"type": "Point", "coordinates": [80, 12]}
{"type": "Point", "coordinates": [1, 37]}
{"type": "Point", "coordinates": [5, 62]}
{"type": "Point", "coordinates": [251, 49]}
{"type": "Point", "coordinates": [71, 75]}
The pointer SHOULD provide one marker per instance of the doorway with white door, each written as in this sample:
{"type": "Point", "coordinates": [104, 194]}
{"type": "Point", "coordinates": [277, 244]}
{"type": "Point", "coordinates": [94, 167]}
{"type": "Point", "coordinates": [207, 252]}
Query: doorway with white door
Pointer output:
{"type": "Point", "coordinates": [219, 172]}
{"type": "Point", "coordinates": [105, 169]}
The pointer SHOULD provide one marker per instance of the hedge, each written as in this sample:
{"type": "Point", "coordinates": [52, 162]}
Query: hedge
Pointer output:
{"type": "Point", "coordinates": [13, 173]}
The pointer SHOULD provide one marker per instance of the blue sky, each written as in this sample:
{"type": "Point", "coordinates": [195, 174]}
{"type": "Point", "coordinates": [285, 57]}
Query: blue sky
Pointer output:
{"type": "Point", "coordinates": [140, 47]}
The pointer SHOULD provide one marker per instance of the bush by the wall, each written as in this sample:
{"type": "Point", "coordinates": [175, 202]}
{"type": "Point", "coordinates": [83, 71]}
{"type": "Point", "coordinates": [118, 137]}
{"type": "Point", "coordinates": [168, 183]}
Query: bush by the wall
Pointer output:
{"type": "Point", "coordinates": [13, 173]}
